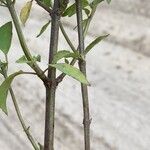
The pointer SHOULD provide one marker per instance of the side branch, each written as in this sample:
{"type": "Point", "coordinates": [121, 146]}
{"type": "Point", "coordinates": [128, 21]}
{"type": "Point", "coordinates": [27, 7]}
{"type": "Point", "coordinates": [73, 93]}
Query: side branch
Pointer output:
{"type": "Point", "coordinates": [23, 44]}
{"type": "Point", "coordinates": [25, 128]}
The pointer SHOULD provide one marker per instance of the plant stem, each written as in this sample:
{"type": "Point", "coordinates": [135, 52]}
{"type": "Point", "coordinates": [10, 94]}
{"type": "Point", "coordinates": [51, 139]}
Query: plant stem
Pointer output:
{"type": "Point", "coordinates": [67, 38]}
{"type": "Point", "coordinates": [23, 44]}
{"type": "Point", "coordinates": [82, 66]}
{"type": "Point", "coordinates": [25, 128]}
{"type": "Point", "coordinates": [89, 20]}
{"type": "Point", "coordinates": [51, 89]}
{"type": "Point", "coordinates": [62, 75]}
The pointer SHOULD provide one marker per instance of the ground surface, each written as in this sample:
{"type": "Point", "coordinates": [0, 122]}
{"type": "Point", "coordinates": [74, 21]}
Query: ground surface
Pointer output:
{"type": "Point", "coordinates": [119, 72]}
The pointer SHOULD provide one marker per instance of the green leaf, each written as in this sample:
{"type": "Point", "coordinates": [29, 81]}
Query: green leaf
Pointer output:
{"type": "Point", "coordinates": [37, 58]}
{"type": "Point", "coordinates": [87, 11]}
{"type": "Point", "coordinates": [43, 28]}
{"type": "Point", "coordinates": [5, 37]}
{"type": "Point", "coordinates": [93, 43]}
{"type": "Point", "coordinates": [3, 67]}
{"type": "Point", "coordinates": [71, 71]}
{"type": "Point", "coordinates": [64, 54]}
{"type": "Point", "coordinates": [4, 87]}
{"type": "Point", "coordinates": [25, 12]}
{"type": "Point", "coordinates": [63, 5]}
{"type": "Point", "coordinates": [47, 2]}
{"type": "Point", "coordinates": [23, 59]}
{"type": "Point", "coordinates": [59, 55]}
{"type": "Point", "coordinates": [1, 72]}
{"type": "Point", "coordinates": [71, 10]}
{"type": "Point", "coordinates": [95, 3]}
{"type": "Point", "coordinates": [66, 61]}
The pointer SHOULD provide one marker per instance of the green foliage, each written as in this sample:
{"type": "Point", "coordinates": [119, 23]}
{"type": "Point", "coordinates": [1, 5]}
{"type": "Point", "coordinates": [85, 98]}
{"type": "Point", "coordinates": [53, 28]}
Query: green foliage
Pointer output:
{"type": "Point", "coordinates": [23, 59]}
{"type": "Point", "coordinates": [93, 43]}
{"type": "Point", "coordinates": [86, 6]}
{"type": "Point", "coordinates": [43, 29]}
{"type": "Point", "coordinates": [25, 12]}
{"type": "Point", "coordinates": [47, 2]}
{"type": "Point", "coordinates": [64, 4]}
{"type": "Point", "coordinates": [64, 54]}
{"type": "Point", "coordinates": [71, 10]}
{"type": "Point", "coordinates": [71, 71]}
{"type": "Point", "coordinates": [94, 3]}
{"type": "Point", "coordinates": [3, 67]}
{"type": "Point", "coordinates": [4, 87]}
{"type": "Point", "coordinates": [5, 37]}
{"type": "Point", "coordinates": [87, 11]}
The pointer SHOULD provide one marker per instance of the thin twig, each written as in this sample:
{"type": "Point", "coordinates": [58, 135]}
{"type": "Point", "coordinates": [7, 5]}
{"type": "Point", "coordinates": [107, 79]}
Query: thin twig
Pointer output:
{"type": "Point", "coordinates": [25, 128]}
{"type": "Point", "coordinates": [82, 66]}
{"type": "Point", "coordinates": [67, 38]}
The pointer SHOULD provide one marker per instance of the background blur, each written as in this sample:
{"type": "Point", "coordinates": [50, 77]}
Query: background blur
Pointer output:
{"type": "Point", "coordinates": [119, 73]}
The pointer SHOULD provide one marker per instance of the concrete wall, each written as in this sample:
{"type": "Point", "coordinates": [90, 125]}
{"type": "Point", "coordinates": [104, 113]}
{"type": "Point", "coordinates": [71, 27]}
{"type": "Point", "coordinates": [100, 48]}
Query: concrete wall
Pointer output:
{"type": "Point", "coordinates": [119, 73]}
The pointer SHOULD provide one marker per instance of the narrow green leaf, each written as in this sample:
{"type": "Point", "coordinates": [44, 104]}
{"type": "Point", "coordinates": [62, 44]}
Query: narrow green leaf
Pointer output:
{"type": "Point", "coordinates": [4, 87]}
{"type": "Point", "coordinates": [1, 72]}
{"type": "Point", "coordinates": [63, 5]}
{"type": "Point", "coordinates": [5, 37]}
{"type": "Point", "coordinates": [71, 71]}
{"type": "Point", "coordinates": [47, 2]}
{"type": "Point", "coordinates": [95, 3]}
{"type": "Point", "coordinates": [37, 58]}
{"type": "Point", "coordinates": [87, 11]}
{"type": "Point", "coordinates": [93, 43]}
{"type": "Point", "coordinates": [43, 29]}
{"type": "Point", "coordinates": [25, 12]}
{"type": "Point", "coordinates": [64, 54]}
{"type": "Point", "coordinates": [59, 55]}
{"type": "Point", "coordinates": [23, 59]}
{"type": "Point", "coordinates": [3, 67]}
{"type": "Point", "coordinates": [71, 10]}
{"type": "Point", "coordinates": [66, 61]}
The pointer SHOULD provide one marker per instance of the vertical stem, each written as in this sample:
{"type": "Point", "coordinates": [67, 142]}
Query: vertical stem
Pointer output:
{"type": "Point", "coordinates": [51, 88]}
{"type": "Point", "coordinates": [82, 66]}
